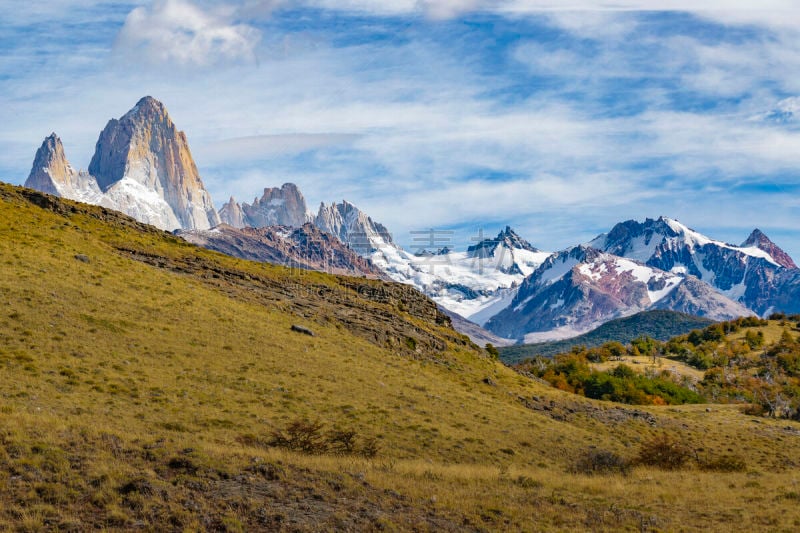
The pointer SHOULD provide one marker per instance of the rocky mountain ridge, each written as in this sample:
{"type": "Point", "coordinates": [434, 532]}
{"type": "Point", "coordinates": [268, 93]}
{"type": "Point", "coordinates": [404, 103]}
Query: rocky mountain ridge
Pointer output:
{"type": "Point", "coordinates": [353, 227]}
{"type": "Point", "coordinates": [580, 288]}
{"type": "Point", "coordinates": [284, 206]}
{"type": "Point", "coordinates": [306, 247]}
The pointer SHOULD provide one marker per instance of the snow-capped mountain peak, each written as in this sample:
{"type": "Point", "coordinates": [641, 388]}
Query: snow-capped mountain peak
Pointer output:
{"type": "Point", "coordinates": [759, 240]}
{"type": "Point", "coordinates": [507, 237]}
{"type": "Point", "coordinates": [477, 283]}
{"type": "Point", "coordinates": [743, 273]}
{"type": "Point", "coordinates": [581, 287]}
{"type": "Point", "coordinates": [354, 228]}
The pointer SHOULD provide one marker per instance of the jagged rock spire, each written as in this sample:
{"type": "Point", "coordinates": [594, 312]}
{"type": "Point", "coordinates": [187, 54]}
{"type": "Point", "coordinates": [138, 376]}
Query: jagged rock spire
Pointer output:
{"type": "Point", "coordinates": [50, 167]}
{"type": "Point", "coordinates": [231, 214]}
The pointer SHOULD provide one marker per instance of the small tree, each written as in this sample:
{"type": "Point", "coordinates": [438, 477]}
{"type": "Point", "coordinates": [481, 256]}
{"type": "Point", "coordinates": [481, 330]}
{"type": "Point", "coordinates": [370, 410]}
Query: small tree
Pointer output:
{"type": "Point", "coordinates": [493, 352]}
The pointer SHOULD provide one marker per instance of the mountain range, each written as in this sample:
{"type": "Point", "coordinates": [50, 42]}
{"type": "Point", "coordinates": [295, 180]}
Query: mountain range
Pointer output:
{"type": "Point", "coordinates": [142, 166]}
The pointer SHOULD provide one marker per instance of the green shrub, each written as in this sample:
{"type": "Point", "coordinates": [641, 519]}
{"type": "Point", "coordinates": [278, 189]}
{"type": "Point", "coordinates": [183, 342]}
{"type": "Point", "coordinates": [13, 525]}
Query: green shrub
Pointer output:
{"type": "Point", "coordinates": [493, 352]}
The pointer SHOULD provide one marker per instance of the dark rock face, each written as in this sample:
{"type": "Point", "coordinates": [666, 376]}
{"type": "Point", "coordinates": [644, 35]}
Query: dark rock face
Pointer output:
{"type": "Point", "coordinates": [306, 247]}
{"type": "Point", "coordinates": [507, 237]}
{"type": "Point", "coordinates": [762, 242]}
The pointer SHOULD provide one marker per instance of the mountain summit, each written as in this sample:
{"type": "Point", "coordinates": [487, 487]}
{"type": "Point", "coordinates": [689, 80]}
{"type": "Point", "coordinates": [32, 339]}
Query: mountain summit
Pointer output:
{"type": "Point", "coordinates": [142, 166]}
{"type": "Point", "coordinates": [353, 227]}
{"type": "Point", "coordinates": [762, 242]}
{"type": "Point", "coordinates": [52, 173]}
{"type": "Point", "coordinates": [50, 167]}
{"type": "Point", "coordinates": [508, 237]}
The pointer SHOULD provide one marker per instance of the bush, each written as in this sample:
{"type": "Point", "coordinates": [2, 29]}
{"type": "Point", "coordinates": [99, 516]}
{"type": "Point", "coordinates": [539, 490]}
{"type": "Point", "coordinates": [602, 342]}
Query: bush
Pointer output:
{"type": "Point", "coordinates": [302, 436]}
{"type": "Point", "coordinates": [308, 437]}
{"type": "Point", "coordinates": [342, 442]}
{"type": "Point", "coordinates": [664, 452]}
{"type": "Point", "coordinates": [493, 352]}
{"type": "Point", "coordinates": [601, 462]}
{"type": "Point", "coordinates": [370, 447]}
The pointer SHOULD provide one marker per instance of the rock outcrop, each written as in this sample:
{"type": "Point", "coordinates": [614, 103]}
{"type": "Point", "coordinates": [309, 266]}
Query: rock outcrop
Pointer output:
{"type": "Point", "coordinates": [231, 214]}
{"type": "Point", "coordinates": [284, 206]}
{"type": "Point", "coordinates": [762, 242]}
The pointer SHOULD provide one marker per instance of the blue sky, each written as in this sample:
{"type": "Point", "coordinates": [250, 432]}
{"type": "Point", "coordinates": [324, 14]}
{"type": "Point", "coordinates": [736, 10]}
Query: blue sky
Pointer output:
{"type": "Point", "coordinates": [451, 114]}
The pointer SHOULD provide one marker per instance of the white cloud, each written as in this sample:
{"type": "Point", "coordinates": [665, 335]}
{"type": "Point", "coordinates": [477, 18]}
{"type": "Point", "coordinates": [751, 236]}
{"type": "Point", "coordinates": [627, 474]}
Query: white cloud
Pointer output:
{"type": "Point", "coordinates": [177, 32]}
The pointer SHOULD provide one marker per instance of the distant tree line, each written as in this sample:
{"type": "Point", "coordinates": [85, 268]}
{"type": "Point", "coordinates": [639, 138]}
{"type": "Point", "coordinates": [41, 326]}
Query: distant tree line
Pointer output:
{"type": "Point", "coordinates": [738, 368]}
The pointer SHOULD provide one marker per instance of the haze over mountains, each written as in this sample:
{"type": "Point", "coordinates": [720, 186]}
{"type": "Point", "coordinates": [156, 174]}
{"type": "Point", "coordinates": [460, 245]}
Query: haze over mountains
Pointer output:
{"type": "Point", "coordinates": [143, 167]}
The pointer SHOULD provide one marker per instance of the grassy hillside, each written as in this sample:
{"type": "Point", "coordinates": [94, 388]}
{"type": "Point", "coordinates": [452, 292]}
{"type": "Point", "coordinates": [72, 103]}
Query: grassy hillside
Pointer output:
{"type": "Point", "coordinates": [143, 380]}
{"type": "Point", "coordinates": [658, 324]}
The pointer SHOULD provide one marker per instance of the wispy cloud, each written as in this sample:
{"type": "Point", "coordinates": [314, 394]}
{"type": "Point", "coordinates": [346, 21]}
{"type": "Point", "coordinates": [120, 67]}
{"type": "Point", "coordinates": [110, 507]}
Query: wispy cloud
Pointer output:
{"type": "Point", "coordinates": [258, 148]}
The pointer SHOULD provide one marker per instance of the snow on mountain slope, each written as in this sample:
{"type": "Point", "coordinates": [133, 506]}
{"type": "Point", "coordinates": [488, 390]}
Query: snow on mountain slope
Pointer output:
{"type": "Point", "coordinates": [643, 241]}
{"type": "Point", "coordinates": [143, 204]}
{"type": "Point", "coordinates": [353, 227]}
{"type": "Point", "coordinates": [476, 284]}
